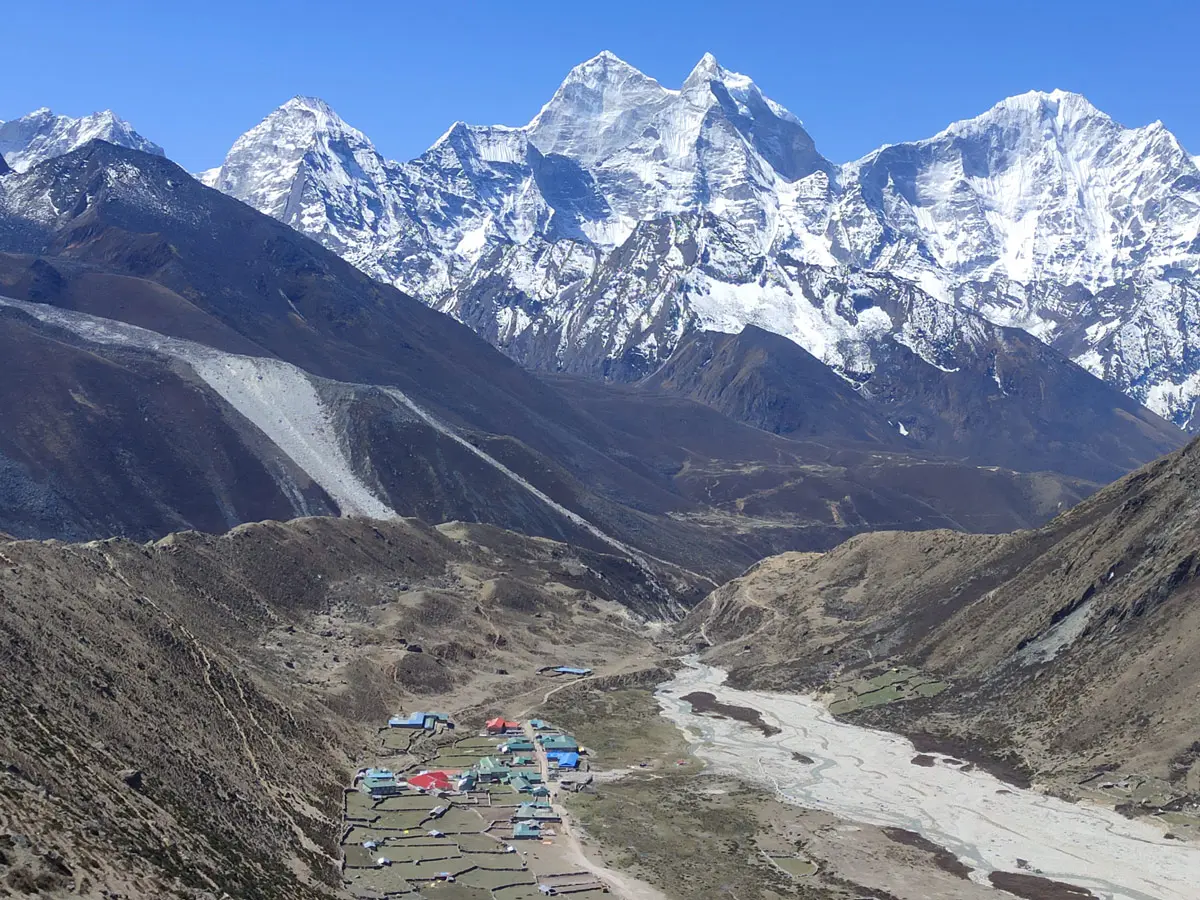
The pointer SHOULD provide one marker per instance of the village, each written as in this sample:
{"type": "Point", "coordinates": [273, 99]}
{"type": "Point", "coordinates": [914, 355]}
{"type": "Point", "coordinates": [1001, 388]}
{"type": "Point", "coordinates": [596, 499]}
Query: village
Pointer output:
{"type": "Point", "coordinates": [468, 816]}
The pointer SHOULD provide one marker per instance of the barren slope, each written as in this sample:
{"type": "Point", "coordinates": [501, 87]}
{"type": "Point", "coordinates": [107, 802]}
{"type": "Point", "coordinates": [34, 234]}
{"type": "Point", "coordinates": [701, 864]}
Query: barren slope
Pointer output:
{"type": "Point", "coordinates": [180, 717]}
{"type": "Point", "coordinates": [1072, 646]}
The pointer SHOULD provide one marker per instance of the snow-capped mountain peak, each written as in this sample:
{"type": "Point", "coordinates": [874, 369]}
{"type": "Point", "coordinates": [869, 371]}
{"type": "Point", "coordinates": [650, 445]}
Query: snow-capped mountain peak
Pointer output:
{"type": "Point", "coordinates": [627, 211]}
{"type": "Point", "coordinates": [299, 123]}
{"type": "Point", "coordinates": [602, 105]}
{"type": "Point", "coordinates": [270, 165]}
{"type": "Point", "coordinates": [1041, 186]}
{"type": "Point", "coordinates": [707, 67]}
{"type": "Point", "coordinates": [708, 73]}
{"type": "Point", "coordinates": [1066, 105]}
{"type": "Point", "coordinates": [317, 115]}
{"type": "Point", "coordinates": [1022, 121]}
{"type": "Point", "coordinates": [42, 135]}
{"type": "Point", "coordinates": [604, 73]}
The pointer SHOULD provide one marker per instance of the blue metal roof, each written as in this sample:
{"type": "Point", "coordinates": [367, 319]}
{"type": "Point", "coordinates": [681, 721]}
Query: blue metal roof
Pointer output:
{"type": "Point", "coordinates": [572, 670]}
{"type": "Point", "coordinates": [419, 720]}
{"type": "Point", "coordinates": [415, 720]}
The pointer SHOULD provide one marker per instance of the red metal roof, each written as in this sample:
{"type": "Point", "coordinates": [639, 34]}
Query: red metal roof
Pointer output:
{"type": "Point", "coordinates": [432, 780]}
{"type": "Point", "coordinates": [500, 724]}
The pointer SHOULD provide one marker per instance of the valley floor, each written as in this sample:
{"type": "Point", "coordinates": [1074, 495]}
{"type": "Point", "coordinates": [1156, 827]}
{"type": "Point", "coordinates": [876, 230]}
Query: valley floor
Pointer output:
{"type": "Point", "coordinates": [997, 833]}
{"type": "Point", "coordinates": [792, 801]}
{"type": "Point", "coordinates": [473, 813]}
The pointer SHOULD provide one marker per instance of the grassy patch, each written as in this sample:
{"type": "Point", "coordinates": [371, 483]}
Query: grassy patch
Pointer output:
{"type": "Point", "coordinates": [694, 837]}
{"type": "Point", "coordinates": [620, 726]}
{"type": "Point", "coordinates": [795, 866]}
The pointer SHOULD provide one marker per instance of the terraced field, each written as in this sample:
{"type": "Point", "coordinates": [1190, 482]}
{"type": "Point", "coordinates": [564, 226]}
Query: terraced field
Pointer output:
{"type": "Point", "coordinates": [893, 686]}
{"type": "Point", "coordinates": [451, 845]}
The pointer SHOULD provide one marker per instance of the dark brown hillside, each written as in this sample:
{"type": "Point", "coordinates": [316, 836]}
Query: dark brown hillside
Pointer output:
{"type": "Point", "coordinates": [1074, 645]}
{"type": "Point", "coordinates": [180, 718]}
{"type": "Point", "coordinates": [129, 237]}
{"type": "Point", "coordinates": [123, 444]}
{"type": "Point", "coordinates": [1010, 401]}
{"type": "Point", "coordinates": [772, 383]}
{"type": "Point", "coordinates": [823, 488]}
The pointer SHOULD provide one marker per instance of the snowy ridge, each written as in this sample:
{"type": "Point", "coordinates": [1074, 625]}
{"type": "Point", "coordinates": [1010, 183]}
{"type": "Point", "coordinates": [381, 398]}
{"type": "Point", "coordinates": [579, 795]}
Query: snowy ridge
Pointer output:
{"type": "Point", "coordinates": [717, 142]}
{"type": "Point", "coordinates": [1043, 186]}
{"type": "Point", "coordinates": [42, 135]}
{"type": "Point", "coordinates": [627, 213]}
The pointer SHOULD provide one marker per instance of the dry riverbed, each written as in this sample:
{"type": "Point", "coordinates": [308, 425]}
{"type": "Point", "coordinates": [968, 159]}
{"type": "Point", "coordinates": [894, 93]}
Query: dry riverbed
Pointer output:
{"type": "Point", "coordinates": [1009, 837]}
{"type": "Point", "coordinates": [656, 813]}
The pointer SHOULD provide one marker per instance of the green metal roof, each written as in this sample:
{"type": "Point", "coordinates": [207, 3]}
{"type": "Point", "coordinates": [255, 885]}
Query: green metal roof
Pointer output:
{"type": "Point", "coordinates": [491, 766]}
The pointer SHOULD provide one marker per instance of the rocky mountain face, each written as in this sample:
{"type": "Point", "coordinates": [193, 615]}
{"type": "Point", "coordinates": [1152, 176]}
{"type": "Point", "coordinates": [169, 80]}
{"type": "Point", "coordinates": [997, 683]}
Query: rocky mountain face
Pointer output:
{"type": "Point", "coordinates": [184, 361]}
{"type": "Point", "coordinates": [42, 135]}
{"type": "Point", "coordinates": [627, 214]}
{"type": "Point", "coordinates": [1068, 648]}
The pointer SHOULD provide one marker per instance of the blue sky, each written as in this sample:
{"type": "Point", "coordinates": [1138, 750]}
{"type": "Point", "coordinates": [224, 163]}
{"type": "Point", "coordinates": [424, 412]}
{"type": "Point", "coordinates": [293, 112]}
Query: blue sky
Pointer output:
{"type": "Point", "coordinates": [193, 76]}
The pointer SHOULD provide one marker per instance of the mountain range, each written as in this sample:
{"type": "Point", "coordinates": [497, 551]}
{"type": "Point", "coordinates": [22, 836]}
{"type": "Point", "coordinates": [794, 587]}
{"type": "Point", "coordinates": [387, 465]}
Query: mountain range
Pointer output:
{"type": "Point", "coordinates": [627, 215]}
{"type": "Point", "coordinates": [596, 248]}
{"type": "Point", "coordinates": [648, 343]}
{"type": "Point", "coordinates": [42, 135]}
{"type": "Point", "coordinates": [180, 360]}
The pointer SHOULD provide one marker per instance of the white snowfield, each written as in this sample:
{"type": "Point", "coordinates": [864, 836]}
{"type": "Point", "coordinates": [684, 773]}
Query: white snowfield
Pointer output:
{"type": "Point", "coordinates": [868, 776]}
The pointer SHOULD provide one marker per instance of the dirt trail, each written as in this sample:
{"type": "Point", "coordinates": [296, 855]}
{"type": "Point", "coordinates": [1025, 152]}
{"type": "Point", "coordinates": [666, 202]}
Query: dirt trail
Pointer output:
{"type": "Point", "coordinates": [554, 690]}
{"type": "Point", "coordinates": [622, 885]}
